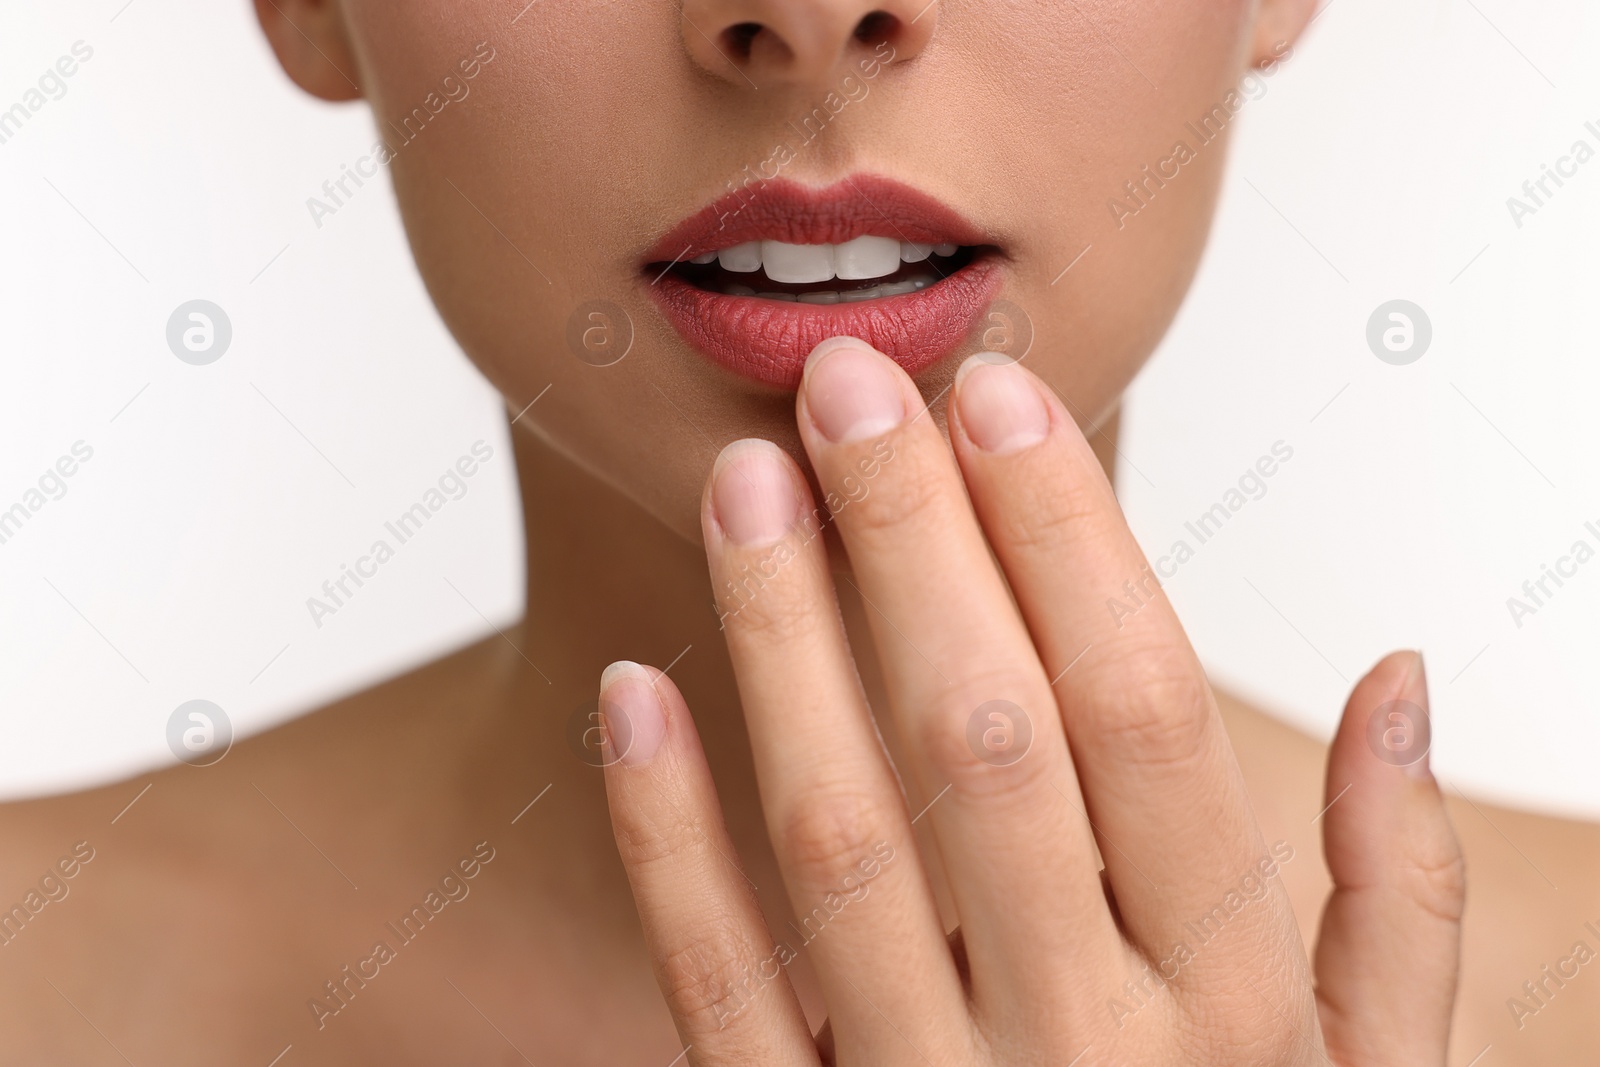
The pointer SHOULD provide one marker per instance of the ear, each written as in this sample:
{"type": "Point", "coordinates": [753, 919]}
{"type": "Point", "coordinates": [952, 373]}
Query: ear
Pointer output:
{"type": "Point", "coordinates": [1278, 25]}
{"type": "Point", "coordinates": [312, 44]}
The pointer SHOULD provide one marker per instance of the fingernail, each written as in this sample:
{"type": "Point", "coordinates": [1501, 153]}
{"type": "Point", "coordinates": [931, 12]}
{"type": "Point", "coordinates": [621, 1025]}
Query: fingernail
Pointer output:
{"type": "Point", "coordinates": [752, 493]}
{"type": "Point", "coordinates": [1415, 689]}
{"type": "Point", "coordinates": [1001, 410]}
{"type": "Point", "coordinates": [631, 713]}
{"type": "Point", "coordinates": [852, 392]}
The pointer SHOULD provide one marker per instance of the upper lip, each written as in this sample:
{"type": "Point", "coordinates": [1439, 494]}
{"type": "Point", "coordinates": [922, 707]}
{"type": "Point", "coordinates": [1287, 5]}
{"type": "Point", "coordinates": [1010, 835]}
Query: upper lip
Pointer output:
{"type": "Point", "coordinates": [783, 210]}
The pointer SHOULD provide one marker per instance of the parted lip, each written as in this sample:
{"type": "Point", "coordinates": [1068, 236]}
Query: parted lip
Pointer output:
{"type": "Point", "coordinates": [864, 205]}
{"type": "Point", "coordinates": [767, 341]}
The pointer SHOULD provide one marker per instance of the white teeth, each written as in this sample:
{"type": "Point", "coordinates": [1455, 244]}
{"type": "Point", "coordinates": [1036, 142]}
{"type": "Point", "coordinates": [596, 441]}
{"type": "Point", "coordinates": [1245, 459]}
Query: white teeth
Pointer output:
{"type": "Point", "coordinates": [867, 257]}
{"type": "Point", "coordinates": [900, 288]}
{"type": "Point", "coordinates": [829, 297]}
{"type": "Point", "coordinates": [797, 264]}
{"type": "Point", "coordinates": [861, 259]}
{"type": "Point", "coordinates": [744, 259]}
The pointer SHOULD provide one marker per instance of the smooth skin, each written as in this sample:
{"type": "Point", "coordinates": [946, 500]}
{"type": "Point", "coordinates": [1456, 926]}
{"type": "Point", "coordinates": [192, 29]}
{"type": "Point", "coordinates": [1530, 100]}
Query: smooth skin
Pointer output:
{"type": "Point", "coordinates": [1128, 760]}
{"type": "Point", "coordinates": [221, 900]}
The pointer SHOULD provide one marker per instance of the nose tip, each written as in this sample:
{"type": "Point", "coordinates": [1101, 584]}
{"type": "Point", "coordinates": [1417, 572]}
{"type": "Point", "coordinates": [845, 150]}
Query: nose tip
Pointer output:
{"type": "Point", "coordinates": [793, 42]}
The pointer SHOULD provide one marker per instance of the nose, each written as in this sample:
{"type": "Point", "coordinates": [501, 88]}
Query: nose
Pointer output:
{"type": "Point", "coordinates": [757, 43]}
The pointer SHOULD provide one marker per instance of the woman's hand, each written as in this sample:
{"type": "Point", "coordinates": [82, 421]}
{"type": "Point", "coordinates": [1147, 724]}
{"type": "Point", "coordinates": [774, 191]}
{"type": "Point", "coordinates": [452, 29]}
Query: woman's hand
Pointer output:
{"type": "Point", "coordinates": [1039, 730]}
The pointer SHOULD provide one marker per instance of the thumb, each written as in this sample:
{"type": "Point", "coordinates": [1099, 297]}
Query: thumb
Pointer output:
{"type": "Point", "coordinates": [1389, 950]}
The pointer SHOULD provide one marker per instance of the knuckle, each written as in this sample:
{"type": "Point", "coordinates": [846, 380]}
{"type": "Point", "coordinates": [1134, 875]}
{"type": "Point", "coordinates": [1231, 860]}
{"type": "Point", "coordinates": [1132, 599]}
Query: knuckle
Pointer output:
{"type": "Point", "coordinates": [986, 746]}
{"type": "Point", "coordinates": [1156, 709]}
{"type": "Point", "coordinates": [1436, 879]}
{"type": "Point", "coordinates": [829, 833]}
{"type": "Point", "coordinates": [1051, 515]}
{"type": "Point", "coordinates": [772, 615]}
{"type": "Point", "coordinates": [767, 595]}
{"type": "Point", "coordinates": [916, 490]}
{"type": "Point", "coordinates": [706, 979]}
{"type": "Point", "coordinates": [650, 838]}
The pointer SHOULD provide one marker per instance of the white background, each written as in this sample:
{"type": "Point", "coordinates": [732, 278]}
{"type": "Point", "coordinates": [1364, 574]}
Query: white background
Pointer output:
{"type": "Point", "coordinates": [1376, 166]}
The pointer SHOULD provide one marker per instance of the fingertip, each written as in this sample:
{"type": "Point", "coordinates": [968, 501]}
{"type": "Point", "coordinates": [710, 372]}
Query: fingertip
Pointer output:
{"type": "Point", "coordinates": [833, 344]}
{"type": "Point", "coordinates": [633, 713]}
{"type": "Point", "coordinates": [1386, 813]}
{"type": "Point", "coordinates": [1387, 721]}
{"type": "Point", "coordinates": [850, 391]}
{"type": "Point", "coordinates": [998, 406]}
{"type": "Point", "coordinates": [754, 497]}
{"type": "Point", "coordinates": [1414, 691]}
{"type": "Point", "coordinates": [622, 668]}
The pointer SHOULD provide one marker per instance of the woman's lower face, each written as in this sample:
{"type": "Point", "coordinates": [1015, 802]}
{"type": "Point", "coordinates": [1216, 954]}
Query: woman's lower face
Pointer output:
{"type": "Point", "coordinates": [644, 215]}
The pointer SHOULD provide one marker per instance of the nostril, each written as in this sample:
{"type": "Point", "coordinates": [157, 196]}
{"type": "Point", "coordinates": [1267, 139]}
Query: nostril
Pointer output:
{"type": "Point", "coordinates": [789, 41]}
{"type": "Point", "coordinates": [738, 39]}
{"type": "Point", "coordinates": [876, 27]}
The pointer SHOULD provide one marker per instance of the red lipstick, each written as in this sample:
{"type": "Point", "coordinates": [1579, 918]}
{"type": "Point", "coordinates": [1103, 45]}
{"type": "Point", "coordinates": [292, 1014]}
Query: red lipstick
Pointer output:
{"type": "Point", "coordinates": [759, 322]}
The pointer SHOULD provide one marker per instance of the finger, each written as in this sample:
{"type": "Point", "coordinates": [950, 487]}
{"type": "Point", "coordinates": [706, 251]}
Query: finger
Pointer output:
{"type": "Point", "coordinates": [721, 974]}
{"type": "Point", "coordinates": [835, 813]}
{"type": "Point", "coordinates": [1390, 943]}
{"type": "Point", "coordinates": [959, 666]}
{"type": "Point", "coordinates": [1159, 777]}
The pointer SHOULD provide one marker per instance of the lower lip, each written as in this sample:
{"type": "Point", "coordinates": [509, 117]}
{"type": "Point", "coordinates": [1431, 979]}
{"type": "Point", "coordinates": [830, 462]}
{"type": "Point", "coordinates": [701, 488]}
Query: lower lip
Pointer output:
{"type": "Point", "coordinates": [768, 340]}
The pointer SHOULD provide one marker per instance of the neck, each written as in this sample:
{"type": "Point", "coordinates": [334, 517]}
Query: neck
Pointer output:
{"type": "Point", "coordinates": [608, 581]}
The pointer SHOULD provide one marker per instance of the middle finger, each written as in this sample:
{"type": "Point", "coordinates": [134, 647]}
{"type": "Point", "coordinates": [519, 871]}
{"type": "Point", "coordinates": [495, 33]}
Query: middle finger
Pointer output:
{"type": "Point", "coordinates": [966, 688]}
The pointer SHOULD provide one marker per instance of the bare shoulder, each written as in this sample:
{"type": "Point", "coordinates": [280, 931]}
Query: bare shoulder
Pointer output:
{"type": "Point", "coordinates": [1530, 986]}
{"type": "Point", "coordinates": [207, 895]}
